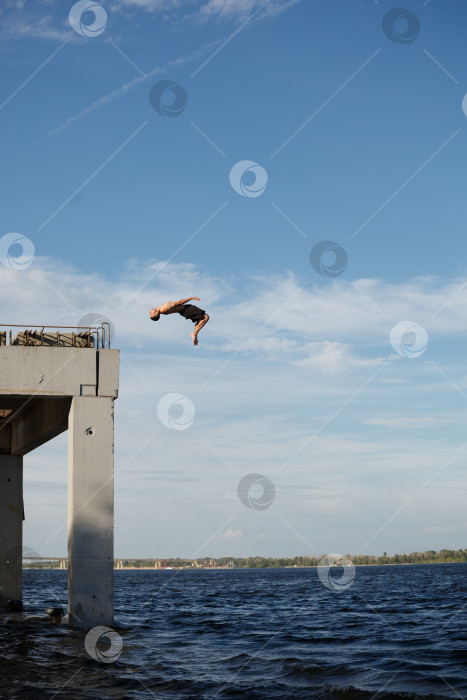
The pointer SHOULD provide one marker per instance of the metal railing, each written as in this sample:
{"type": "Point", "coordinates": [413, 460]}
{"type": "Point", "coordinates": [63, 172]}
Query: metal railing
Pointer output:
{"type": "Point", "coordinates": [35, 335]}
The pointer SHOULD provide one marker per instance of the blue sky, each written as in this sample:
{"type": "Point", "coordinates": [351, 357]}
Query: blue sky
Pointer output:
{"type": "Point", "coordinates": [363, 142]}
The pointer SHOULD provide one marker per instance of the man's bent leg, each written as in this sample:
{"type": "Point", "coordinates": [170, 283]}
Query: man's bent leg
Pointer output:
{"type": "Point", "coordinates": [198, 327]}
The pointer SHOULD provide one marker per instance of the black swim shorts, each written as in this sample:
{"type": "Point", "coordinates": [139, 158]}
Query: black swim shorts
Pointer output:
{"type": "Point", "coordinates": [192, 313]}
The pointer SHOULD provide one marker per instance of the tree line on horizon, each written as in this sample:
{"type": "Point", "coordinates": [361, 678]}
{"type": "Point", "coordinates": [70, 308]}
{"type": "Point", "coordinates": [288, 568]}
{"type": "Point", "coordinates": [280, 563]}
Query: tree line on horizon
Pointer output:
{"type": "Point", "coordinates": [444, 556]}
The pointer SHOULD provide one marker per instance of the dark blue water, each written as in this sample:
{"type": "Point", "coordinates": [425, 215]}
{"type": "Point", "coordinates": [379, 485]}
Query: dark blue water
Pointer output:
{"type": "Point", "coordinates": [396, 632]}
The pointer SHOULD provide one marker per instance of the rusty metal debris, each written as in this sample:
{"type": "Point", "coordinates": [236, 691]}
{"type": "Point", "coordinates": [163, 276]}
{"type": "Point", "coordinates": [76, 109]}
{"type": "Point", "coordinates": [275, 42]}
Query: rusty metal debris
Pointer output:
{"type": "Point", "coordinates": [39, 335]}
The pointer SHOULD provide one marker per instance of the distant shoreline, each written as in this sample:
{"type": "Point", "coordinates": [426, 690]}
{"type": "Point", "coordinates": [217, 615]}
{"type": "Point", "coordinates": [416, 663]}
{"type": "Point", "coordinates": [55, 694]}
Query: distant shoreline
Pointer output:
{"type": "Point", "coordinates": [253, 568]}
{"type": "Point", "coordinates": [242, 568]}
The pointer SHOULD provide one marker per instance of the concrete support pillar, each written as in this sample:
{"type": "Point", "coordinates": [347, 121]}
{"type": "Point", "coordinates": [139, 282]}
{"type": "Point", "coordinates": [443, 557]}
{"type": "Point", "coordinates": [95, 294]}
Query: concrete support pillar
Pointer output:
{"type": "Point", "coordinates": [11, 528]}
{"type": "Point", "coordinates": [90, 511]}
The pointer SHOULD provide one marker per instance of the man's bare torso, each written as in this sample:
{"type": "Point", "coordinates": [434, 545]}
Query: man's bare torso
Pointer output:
{"type": "Point", "coordinates": [169, 308]}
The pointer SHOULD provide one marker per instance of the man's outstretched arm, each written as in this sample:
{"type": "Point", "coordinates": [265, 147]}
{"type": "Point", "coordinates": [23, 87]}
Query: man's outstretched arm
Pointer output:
{"type": "Point", "coordinates": [184, 301]}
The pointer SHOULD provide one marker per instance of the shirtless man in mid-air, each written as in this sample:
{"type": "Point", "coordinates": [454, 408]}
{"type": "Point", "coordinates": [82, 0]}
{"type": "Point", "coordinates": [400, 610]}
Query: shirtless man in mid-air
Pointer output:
{"type": "Point", "coordinates": [188, 311]}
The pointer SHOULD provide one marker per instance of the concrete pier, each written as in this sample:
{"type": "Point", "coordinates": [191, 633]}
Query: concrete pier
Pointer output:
{"type": "Point", "coordinates": [46, 387]}
{"type": "Point", "coordinates": [11, 527]}
{"type": "Point", "coordinates": [90, 510]}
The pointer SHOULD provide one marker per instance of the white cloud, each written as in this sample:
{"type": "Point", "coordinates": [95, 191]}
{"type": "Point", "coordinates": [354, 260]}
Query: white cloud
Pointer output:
{"type": "Point", "coordinates": [21, 26]}
{"type": "Point", "coordinates": [243, 9]}
{"type": "Point", "coordinates": [446, 528]}
{"type": "Point", "coordinates": [22, 19]}
{"type": "Point", "coordinates": [409, 422]}
{"type": "Point", "coordinates": [236, 10]}
{"type": "Point", "coordinates": [333, 358]}
{"type": "Point", "coordinates": [149, 5]}
{"type": "Point", "coordinates": [231, 534]}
